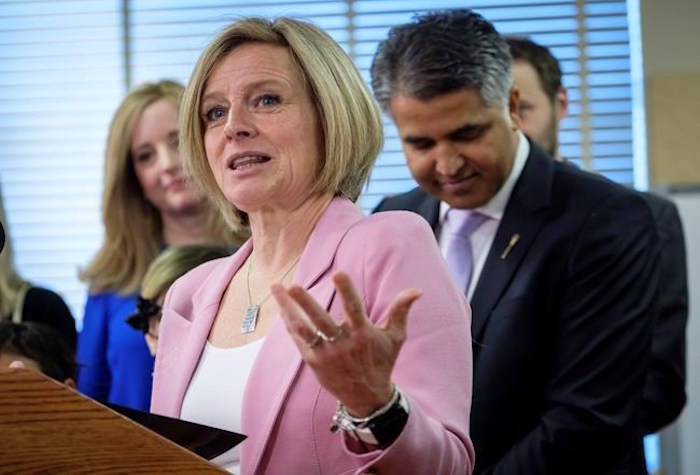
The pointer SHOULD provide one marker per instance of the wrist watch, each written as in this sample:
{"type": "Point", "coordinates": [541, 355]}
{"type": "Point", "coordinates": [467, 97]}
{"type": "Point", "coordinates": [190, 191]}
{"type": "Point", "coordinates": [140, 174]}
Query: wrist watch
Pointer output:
{"type": "Point", "coordinates": [381, 427]}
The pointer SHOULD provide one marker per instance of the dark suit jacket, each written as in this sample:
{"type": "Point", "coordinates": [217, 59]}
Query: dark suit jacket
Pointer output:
{"type": "Point", "coordinates": [664, 389]}
{"type": "Point", "coordinates": [561, 325]}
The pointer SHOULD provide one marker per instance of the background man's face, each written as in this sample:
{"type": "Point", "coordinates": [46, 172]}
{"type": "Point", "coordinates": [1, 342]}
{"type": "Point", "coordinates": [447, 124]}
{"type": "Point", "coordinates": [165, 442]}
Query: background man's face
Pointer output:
{"type": "Point", "coordinates": [459, 150]}
{"type": "Point", "coordinates": [538, 115]}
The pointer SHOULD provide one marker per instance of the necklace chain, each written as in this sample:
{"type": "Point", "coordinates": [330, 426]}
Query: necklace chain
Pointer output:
{"type": "Point", "coordinates": [250, 319]}
{"type": "Point", "coordinates": [250, 265]}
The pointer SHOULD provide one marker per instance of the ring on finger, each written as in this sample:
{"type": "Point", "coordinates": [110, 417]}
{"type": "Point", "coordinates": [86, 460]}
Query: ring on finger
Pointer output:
{"type": "Point", "coordinates": [319, 337]}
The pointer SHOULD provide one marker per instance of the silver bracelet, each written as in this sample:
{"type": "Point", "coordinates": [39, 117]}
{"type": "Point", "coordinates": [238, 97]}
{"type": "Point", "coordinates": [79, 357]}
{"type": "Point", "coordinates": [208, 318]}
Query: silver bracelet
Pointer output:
{"type": "Point", "coordinates": [345, 421]}
{"type": "Point", "coordinates": [379, 428]}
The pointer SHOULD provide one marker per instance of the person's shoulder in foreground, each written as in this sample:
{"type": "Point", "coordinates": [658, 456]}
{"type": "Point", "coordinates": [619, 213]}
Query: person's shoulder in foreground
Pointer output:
{"type": "Point", "coordinates": [394, 250]}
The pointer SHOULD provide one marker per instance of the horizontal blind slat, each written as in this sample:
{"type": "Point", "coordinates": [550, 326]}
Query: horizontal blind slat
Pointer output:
{"type": "Point", "coordinates": [61, 77]}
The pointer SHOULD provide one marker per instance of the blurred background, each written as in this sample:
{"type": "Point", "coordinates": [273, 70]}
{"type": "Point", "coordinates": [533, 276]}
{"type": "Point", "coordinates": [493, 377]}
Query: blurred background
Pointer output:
{"type": "Point", "coordinates": [632, 69]}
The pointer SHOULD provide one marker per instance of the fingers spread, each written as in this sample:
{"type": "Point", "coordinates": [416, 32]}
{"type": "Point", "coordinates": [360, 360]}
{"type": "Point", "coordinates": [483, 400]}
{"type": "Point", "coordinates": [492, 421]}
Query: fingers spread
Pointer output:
{"type": "Point", "coordinates": [318, 315]}
{"type": "Point", "coordinates": [291, 313]}
{"type": "Point", "coordinates": [352, 303]}
{"type": "Point", "coordinates": [398, 312]}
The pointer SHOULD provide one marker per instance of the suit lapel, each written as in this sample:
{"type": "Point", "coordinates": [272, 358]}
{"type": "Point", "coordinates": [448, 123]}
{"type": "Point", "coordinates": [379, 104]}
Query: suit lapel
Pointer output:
{"type": "Point", "coordinates": [524, 216]}
{"type": "Point", "coordinates": [429, 208]}
{"type": "Point", "coordinates": [207, 298]}
{"type": "Point", "coordinates": [279, 360]}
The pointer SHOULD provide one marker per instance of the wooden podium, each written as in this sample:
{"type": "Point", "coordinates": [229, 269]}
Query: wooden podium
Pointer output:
{"type": "Point", "coordinates": [48, 428]}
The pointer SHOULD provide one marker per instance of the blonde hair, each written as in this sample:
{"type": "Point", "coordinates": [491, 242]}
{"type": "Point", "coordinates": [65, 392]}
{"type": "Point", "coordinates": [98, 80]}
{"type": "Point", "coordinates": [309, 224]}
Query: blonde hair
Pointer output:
{"type": "Point", "coordinates": [10, 281]}
{"type": "Point", "coordinates": [350, 119]}
{"type": "Point", "coordinates": [133, 227]}
{"type": "Point", "coordinates": [173, 263]}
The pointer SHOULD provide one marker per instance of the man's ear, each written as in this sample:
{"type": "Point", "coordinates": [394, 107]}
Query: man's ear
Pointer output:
{"type": "Point", "coordinates": [561, 102]}
{"type": "Point", "coordinates": [514, 108]}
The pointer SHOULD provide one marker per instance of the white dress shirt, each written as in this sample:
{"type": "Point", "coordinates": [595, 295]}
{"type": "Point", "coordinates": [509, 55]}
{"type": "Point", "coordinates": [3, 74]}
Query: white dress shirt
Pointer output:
{"type": "Point", "coordinates": [482, 238]}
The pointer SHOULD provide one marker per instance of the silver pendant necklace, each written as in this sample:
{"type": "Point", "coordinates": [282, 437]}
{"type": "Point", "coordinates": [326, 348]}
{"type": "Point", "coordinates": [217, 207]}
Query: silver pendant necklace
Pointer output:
{"type": "Point", "coordinates": [250, 319]}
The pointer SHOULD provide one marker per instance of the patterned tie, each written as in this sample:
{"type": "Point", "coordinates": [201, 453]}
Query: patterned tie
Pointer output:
{"type": "Point", "coordinates": [461, 223]}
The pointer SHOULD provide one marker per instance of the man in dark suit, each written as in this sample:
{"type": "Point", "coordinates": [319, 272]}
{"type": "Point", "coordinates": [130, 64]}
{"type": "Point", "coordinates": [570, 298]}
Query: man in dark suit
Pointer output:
{"type": "Point", "coordinates": [563, 265]}
{"type": "Point", "coordinates": [543, 104]}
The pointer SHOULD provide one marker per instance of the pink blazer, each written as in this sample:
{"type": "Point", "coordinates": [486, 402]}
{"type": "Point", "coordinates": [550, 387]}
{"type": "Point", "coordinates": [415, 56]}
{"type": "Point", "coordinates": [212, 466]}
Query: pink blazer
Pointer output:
{"type": "Point", "coordinates": [287, 414]}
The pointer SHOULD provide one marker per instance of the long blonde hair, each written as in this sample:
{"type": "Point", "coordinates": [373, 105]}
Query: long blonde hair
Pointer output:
{"type": "Point", "coordinates": [132, 225]}
{"type": "Point", "coordinates": [352, 125]}
{"type": "Point", "coordinates": [10, 281]}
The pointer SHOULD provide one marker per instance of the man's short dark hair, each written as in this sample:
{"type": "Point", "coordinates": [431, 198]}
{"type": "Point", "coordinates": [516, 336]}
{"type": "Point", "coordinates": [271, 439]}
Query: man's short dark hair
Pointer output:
{"type": "Point", "coordinates": [542, 61]}
{"type": "Point", "coordinates": [442, 52]}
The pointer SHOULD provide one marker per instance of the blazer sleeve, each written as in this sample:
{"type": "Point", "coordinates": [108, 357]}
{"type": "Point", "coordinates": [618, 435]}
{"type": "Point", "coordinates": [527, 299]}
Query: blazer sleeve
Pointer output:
{"type": "Point", "coordinates": [434, 367]}
{"type": "Point", "coordinates": [601, 333]}
{"type": "Point", "coordinates": [664, 389]}
{"type": "Point", "coordinates": [94, 377]}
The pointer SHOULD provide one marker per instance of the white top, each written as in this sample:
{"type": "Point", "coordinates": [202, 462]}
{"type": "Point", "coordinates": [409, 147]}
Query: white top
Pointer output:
{"type": "Point", "coordinates": [482, 238]}
{"type": "Point", "coordinates": [215, 394]}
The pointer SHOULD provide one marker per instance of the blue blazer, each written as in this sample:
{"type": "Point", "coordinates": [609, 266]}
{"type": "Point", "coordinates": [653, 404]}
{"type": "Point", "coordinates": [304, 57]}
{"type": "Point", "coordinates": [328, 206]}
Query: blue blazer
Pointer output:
{"type": "Point", "coordinates": [114, 362]}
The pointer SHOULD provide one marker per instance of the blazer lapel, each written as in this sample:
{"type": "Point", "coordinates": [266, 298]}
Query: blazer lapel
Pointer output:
{"type": "Point", "coordinates": [522, 220]}
{"type": "Point", "coordinates": [279, 360]}
{"type": "Point", "coordinates": [207, 298]}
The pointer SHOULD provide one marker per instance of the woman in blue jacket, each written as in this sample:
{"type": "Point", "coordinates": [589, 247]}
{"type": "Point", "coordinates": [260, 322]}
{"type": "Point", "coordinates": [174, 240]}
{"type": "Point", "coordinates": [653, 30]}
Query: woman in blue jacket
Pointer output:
{"type": "Point", "coordinates": [147, 204]}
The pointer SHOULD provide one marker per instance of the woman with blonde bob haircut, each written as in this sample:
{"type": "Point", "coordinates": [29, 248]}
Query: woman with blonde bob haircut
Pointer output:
{"type": "Point", "coordinates": [327, 376]}
{"type": "Point", "coordinates": [147, 204]}
{"type": "Point", "coordinates": [329, 75]}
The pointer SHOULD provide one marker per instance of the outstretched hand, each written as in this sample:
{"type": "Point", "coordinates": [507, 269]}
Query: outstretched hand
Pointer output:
{"type": "Point", "coordinates": [353, 360]}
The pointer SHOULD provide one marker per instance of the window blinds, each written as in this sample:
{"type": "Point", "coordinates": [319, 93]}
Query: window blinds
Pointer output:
{"type": "Point", "coordinates": [64, 66]}
{"type": "Point", "coordinates": [61, 77]}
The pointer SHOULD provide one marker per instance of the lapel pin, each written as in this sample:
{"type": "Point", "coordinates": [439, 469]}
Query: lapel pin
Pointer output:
{"type": "Point", "coordinates": [513, 241]}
